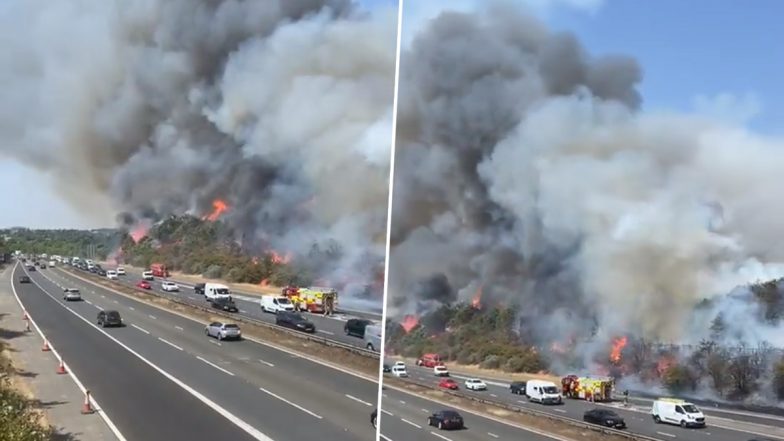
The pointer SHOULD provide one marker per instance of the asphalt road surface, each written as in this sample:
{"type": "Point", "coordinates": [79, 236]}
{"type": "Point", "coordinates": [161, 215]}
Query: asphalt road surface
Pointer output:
{"type": "Point", "coordinates": [721, 426]}
{"type": "Point", "coordinates": [154, 375]}
{"type": "Point", "coordinates": [404, 418]}
{"type": "Point", "coordinates": [328, 327]}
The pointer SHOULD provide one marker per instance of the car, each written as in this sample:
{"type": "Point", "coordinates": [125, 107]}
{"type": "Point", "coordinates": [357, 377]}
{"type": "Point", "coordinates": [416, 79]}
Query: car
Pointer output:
{"type": "Point", "coordinates": [446, 419]}
{"type": "Point", "coordinates": [24, 279]}
{"type": "Point", "coordinates": [143, 284]}
{"type": "Point", "coordinates": [475, 384]}
{"type": "Point", "coordinates": [37, 263]}
{"type": "Point", "coordinates": [517, 387]}
{"type": "Point", "coordinates": [120, 271]}
{"type": "Point", "coordinates": [399, 371]}
{"type": "Point", "coordinates": [400, 363]}
{"type": "Point", "coordinates": [100, 271]}
{"type": "Point", "coordinates": [356, 327]}
{"type": "Point", "coordinates": [223, 331]}
{"type": "Point", "coordinates": [111, 275]}
{"type": "Point", "coordinates": [294, 320]}
{"type": "Point", "coordinates": [604, 417]}
{"type": "Point", "coordinates": [43, 266]}
{"type": "Point", "coordinates": [109, 318]}
{"type": "Point", "coordinates": [676, 411]}
{"type": "Point", "coordinates": [170, 286]}
{"type": "Point", "coordinates": [429, 360]}
{"type": "Point", "coordinates": [440, 371]}
{"type": "Point", "coordinates": [225, 304]}
{"type": "Point", "coordinates": [374, 418]}
{"type": "Point", "coordinates": [147, 275]}
{"type": "Point", "coordinates": [199, 288]}
{"type": "Point", "coordinates": [387, 368]}
{"type": "Point", "coordinates": [448, 383]}
{"type": "Point", "coordinates": [71, 294]}
{"type": "Point", "coordinates": [31, 269]}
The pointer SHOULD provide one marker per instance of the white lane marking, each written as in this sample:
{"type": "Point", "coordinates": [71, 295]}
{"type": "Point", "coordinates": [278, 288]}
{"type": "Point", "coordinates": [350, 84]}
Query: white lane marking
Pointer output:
{"type": "Point", "coordinates": [214, 365]}
{"type": "Point", "coordinates": [290, 403]}
{"type": "Point", "coordinates": [326, 332]}
{"type": "Point", "coordinates": [667, 434]}
{"type": "Point", "coordinates": [441, 436]}
{"type": "Point", "coordinates": [243, 311]}
{"type": "Point", "coordinates": [559, 410]}
{"type": "Point", "coordinates": [214, 342]}
{"type": "Point", "coordinates": [350, 397]}
{"type": "Point", "coordinates": [492, 434]}
{"type": "Point", "coordinates": [132, 308]}
{"type": "Point", "coordinates": [237, 421]}
{"type": "Point", "coordinates": [409, 422]}
{"type": "Point", "coordinates": [425, 410]}
{"type": "Point", "coordinates": [141, 329]}
{"type": "Point", "coordinates": [170, 343]}
{"type": "Point", "coordinates": [103, 296]}
{"type": "Point", "coordinates": [384, 437]}
{"type": "Point", "coordinates": [267, 363]}
{"type": "Point", "coordinates": [88, 302]}
{"type": "Point", "coordinates": [152, 316]}
{"type": "Point", "coordinates": [387, 412]}
{"type": "Point", "coordinates": [115, 301]}
{"type": "Point", "coordinates": [402, 402]}
{"type": "Point", "coordinates": [178, 327]}
{"type": "Point", "coordinates": [494, 395]}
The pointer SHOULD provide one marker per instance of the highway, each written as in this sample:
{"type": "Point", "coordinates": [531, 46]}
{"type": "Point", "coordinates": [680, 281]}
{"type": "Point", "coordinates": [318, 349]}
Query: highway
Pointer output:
{"type": "Point", "coordinates": [162, 370]}
{"type": "Point", "coordinates": [328, 327]}
{"type": "Point", "coordinates": [722, 426]}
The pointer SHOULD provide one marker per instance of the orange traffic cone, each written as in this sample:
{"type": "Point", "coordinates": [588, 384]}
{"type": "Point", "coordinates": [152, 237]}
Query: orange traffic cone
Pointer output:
{"type": "Point", "coordinates": [46, 348]}
{"type": "Point", "coordinates": [87, 408]}
{"type": "Point", "coordinates": [61, 369]}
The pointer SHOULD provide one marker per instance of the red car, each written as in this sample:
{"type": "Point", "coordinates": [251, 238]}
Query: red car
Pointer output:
{"type": "Point", "coordinates": [448, 383]}
{"type": "Point", "coordinates": [144, 284]}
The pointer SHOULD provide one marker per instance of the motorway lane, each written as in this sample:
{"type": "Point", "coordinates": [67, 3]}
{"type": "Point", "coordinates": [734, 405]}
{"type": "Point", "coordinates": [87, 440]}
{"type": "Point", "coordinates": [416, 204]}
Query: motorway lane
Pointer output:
{"type": "Point", "coordinates": [231, 373]}
{"type": "Point", "coordinates": [404, 417]}
{"type": "Point", "coordinates": [638, 419]}
{"type": "Point", "coordinates": [327, 327]}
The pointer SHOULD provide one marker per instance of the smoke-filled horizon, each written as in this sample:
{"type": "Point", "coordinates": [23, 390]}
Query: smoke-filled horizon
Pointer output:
{"type": "Point", "coordinates": [525, 168]}
{"type": "Point", "coordinates": [282, 109]}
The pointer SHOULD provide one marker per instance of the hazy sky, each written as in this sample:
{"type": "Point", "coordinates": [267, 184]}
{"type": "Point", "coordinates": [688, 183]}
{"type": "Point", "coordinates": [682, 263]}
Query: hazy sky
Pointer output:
{"type": "Point", "coordinates": [706, 56]}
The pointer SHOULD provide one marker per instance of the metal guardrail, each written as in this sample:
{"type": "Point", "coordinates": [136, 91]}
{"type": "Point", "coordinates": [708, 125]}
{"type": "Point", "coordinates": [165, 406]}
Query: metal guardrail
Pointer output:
{"type": "Point", "coordinates": [238, 317]}
{"type": "Point", "coordinates": [538, 413]}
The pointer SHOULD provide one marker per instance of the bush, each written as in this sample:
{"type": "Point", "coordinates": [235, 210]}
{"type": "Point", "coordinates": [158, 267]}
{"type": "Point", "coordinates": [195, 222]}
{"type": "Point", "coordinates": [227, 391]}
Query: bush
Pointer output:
{"type": "Point", "coordinates": [778, 379]}
{"type": "Point", "coordinates": [491, 362]}
{"type": "Point", "coordinates": [678, 378]}
{"type": "Point", "coordinates": [213, 272]}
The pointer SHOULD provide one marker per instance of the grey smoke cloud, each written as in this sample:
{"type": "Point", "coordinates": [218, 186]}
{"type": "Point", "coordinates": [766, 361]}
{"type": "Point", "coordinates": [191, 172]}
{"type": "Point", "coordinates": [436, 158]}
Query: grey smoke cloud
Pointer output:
{"type": "Point", "coordinates": [524, 166]}
{"type": "Point", "coordinates": [281, 108]}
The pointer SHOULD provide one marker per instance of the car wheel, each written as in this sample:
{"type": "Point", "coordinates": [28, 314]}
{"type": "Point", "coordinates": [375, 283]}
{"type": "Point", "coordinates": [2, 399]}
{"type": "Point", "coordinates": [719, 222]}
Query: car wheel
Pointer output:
{"type": "Point", "coordinates": [370, 347]}
{"type": "Point", "coordinates": [207, 331]}
{"type": "Point", "coordinates": [375, 423]}
{"type": "Point", "coordinates": [440, 425]}
{"type": "Point", "coordinates": [683, 423]}
{"type": "Point", "coordinates": [429, 421]}
{"type": "Point", "coordinates": [220, 336]}
{"type": "Point", "coordinates": [656, 419]}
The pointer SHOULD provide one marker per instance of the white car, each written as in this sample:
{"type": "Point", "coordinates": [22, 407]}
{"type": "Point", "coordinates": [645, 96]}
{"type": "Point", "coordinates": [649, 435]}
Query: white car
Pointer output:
{"type": "Point", "coordinates": [440, 371]}
{"type": "Point", "coordinates": [71, 294]}
{"type": "Point", "coordinates": [170, 286]}
{"type": "Point", "coordinates": [120, 271]}
{"type": "Point", "coordinates": [111, 275]}
{"type": "Point", "coordinates": [475, 384]}
{"type": "Point", "coordinates": [400, 363]}
{"type": "Point", "coordinates": [399, 371]}
{"type": "Point", "coordinates": [147, 275]}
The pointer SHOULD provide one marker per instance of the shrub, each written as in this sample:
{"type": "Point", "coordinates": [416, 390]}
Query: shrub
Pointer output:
{"type": "Point", "coordinates": [491, 362]}
{"type": "Point", "coordinates": [213, 272]}
{"type": "Point", "coordinates": [778, 379]}
{"type": "Point", "coordinates": [679, 378]}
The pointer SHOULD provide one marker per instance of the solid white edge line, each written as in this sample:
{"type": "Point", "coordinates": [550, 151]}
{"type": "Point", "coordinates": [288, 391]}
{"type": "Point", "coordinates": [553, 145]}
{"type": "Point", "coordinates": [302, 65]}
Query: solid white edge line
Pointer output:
{"type": "Point", "coordinates": [141, 329]}
{"type": "Point", "coordinates": [440, 436]}
{"type": "Point", "coordinates": [267, 363]}
{"type": "Point", "coordinates": [70, 371]}
{"type": "Point", "coordinates": [390, 186]}
{"type": "Point", "coordinates": [237, 421]}
{"type": "Point", "coordinates": [214, 365]}
{"type": "Point", "coordinates": [170, 343]}
{"type": "Point", "coordinates": [409, 422]}
{"type": "Point", "coordinates": [290, 403]}
{"type": "Point", "coordinates": [351, 397]}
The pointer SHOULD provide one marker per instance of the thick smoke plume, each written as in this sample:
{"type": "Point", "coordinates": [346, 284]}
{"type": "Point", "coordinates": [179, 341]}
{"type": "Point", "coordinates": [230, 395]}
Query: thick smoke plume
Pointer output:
{"type": "Point", "coordinates": [525, 168]}
{"type": "Point", "coordinates": [282, 109]}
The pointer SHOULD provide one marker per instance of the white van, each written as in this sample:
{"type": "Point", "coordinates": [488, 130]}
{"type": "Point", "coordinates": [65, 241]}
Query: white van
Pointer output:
{"type": "Point", "coordinates": [147, 275]}
{"type": "Point", "coordinates": [214, 291]}
{"type": "Point", "coordinates": [399, 371]}
{"type": "Point", "coordinates": [680, 412]}
{"type": "Point", "coordinates": [275, 304]}
{"type": "Point", "coordinates": [544, 392]}
{"type": "Point", "coordinates": [111, 275]}
{"type": "Point", "coordinates": [373, 338]}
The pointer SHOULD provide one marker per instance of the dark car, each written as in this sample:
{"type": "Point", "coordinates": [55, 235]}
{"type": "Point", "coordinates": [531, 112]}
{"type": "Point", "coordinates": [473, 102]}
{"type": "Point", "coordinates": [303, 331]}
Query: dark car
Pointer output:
{"type": "Point", "coordinates": [445, 419]}
{"type": "Point", "coordinates": [37, 263]}
{"type": "Point", "coordinates": [24, 279]}
{"type": "Point", "coordinates": [225, 304]}
{"type": "Point", "coordinates": [198, 288]}
{"type": "Point", "coordinates": [294, 320]}
{"type": "Point", "coordinates": [387, 368]}
{"type": "Point", "coordinates": [517, 388]}
{"type": "Point", "coordinates": [43, 266]}
{"type": "Point", "coordinates": [100, 272]}
{"type": "Point", "coordinates": [356, 327]}
{"type": "Point", "coordinates": [604, 417]}
{"type": "Point", "coordinates": [109, 318]}
{"type": "Point", "coordinates": [31, 269]}
{"type": "Point", "coordinates": [374, 418]}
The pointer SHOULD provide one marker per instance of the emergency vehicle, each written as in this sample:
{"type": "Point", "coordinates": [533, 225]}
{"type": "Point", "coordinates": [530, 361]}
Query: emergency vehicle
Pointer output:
{"type": "Point", "coordinates": [588, 388]}
{"type": "Point", "coordinates": [313, 299]}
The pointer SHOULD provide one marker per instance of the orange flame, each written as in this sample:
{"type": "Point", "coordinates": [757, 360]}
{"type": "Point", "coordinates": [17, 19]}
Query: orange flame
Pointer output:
{"type": "Point", "coordinates": [139, 231]}
{"type": "Point", "coordinates": [617, 348]}
{"type": "Point", "coordinates": [664, 363]}
{"type": "Point", "coordinates": [218, 208]}
{"type": "Point", "coordinates": [264, 282]}
{"type": "Point", "coordinates": [476, 302]}
{"type": "Point", "coordinates": [279, 258]}
{"type": "Point", "coordinates": [409, 322]}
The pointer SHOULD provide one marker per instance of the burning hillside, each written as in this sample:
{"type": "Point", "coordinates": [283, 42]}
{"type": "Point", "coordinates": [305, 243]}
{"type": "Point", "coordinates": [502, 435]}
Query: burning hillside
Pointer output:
{"type": "Point", "coordinates": [251, 113]}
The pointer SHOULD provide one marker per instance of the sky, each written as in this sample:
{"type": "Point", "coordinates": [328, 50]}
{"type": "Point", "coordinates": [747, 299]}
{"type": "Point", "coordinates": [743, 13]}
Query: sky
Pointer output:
{"type": "Point", "coordinates": [704, 56]}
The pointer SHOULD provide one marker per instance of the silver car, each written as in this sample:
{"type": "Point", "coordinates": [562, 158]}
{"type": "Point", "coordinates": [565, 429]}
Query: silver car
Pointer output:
{"type": "Point", "coordinates": [71, 294]}
{"type": "Point", "coordinates": [223, 331]}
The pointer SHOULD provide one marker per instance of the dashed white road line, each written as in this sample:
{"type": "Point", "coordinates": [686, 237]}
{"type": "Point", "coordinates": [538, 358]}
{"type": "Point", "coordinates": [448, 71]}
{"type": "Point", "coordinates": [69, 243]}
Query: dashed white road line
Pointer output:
{"type": "Point", "coordinates": [387, 412]}
{"type": "Point", "coordinates": [214, 342]}
{"type": "Point", "coordinates": [409, 422]}
{"type": "Point", "coordinates": [141, 329]}
{"type": "Point", "coordinates": [170, 343]}
{"type": "Point", "coordinates": [667, 434]}
{"type": "Point", "coordinates": [214, 365]}
{"type": "Point", "coordinates": [384, 437]}
{"type": "Point", "coordinates": [132, 308]}
{"type": "Point", "coordinates": [350, 397]}
{"type": "Point", "coordinates": [178, 327]}
{"type": "Point", "coordinates": [441, 436]}
{"type": "Point", "coordinates": [559, 410]}
{"type": "Point", "coordinates": [88, 302]}
{"type": "Point", "coordinates": [290, 403]}
{"type": "Point", "coordinates": [152, 316]}
{"type": "Point", "coordinates": [267, 363]}
{"type": "Point", "coordinates": [492, 434]}
{"type": "Point", "coordinates": [326, 332]}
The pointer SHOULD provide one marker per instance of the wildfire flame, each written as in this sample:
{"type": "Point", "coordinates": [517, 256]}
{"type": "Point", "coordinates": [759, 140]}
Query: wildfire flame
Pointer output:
{"type": "Point", "coordinates": [218, 208]}
{"type": "Point", "coordinates": [617, 347]}
{"type": "Point", "coordinates": [139, 231]}
{"type": "Point", "coordinates": [663, 364]}
{"type": "Point", "coordinates": [264, 282]}
{"type": "Point", "coordinates": [279, 258]}
{"type": "Point", "coordinates": [409, 322]}
{"type": "Point", "coordinates": [476, 302]}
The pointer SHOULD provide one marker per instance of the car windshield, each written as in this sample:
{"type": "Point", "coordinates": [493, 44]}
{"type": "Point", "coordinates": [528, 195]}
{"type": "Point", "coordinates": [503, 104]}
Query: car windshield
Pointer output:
{"type": "Point", "coordinates": [284, 301]}
{"type": "Point", "coordinates": [450, 414]}
{"type": "Point", "coordinates": [690, 408]}
{"type": "Point", "coordinates": [231, 326]}
{"type": "Point", "coordinates": [221, 290]}
{"type": "Point", "coordinates": [113, 314]}
{"type": "Point", "coordinates": [550, 390]}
